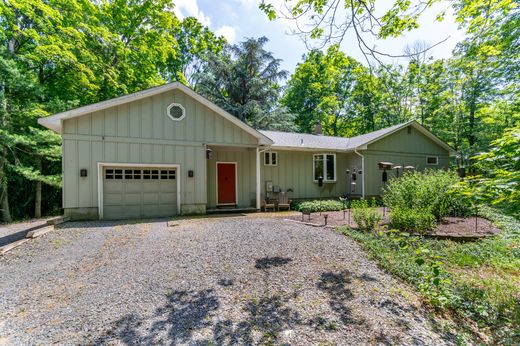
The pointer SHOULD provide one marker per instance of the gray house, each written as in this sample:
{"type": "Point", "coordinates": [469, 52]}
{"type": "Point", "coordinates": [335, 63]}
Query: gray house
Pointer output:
{"type": "Point", "coordinates": [167, 150]}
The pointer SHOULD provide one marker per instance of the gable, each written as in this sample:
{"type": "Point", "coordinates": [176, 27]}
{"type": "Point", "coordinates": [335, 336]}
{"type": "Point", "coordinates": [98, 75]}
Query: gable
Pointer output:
{"type": "Point", "coordinates": [415, 142]}
{"type": "Point", "coordinates": [147, 118]}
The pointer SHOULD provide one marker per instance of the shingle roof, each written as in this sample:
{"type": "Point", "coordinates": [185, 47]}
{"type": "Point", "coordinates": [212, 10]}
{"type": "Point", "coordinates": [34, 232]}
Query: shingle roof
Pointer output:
{"type": "Point", "coordinates": [307, 141]}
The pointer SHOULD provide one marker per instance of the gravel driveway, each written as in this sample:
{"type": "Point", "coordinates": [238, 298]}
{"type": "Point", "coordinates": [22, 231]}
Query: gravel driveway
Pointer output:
{"type": "Point", "coordinates": [219, 281]}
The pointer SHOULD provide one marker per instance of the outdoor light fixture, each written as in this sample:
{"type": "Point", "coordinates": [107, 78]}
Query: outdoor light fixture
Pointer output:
{"type": "Point", "coordinates": [190, 173]}
{"type": "Point", "coordinates": [209, 154]}
{"type": "Point", "coordinates": [83, 172]}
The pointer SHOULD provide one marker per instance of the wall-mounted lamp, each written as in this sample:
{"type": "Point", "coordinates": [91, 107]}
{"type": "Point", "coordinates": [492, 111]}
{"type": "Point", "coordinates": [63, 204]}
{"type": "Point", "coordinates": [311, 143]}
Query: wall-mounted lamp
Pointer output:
{"type": "Point", "coordinates": [191, 174]}
{"type": "Point", "coordinates": [83, 172]}
{"type": "Point", "coordinates": [209, 154]}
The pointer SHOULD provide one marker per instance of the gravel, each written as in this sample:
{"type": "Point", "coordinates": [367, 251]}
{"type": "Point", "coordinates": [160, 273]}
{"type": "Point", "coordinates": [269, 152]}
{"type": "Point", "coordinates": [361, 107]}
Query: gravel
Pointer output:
{"type": "Point", "coordinates": [218, 281]}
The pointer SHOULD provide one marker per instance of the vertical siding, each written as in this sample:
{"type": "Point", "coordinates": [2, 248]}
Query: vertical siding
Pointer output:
{"type": "Point", "coordinates": [82, 192]}
{"type": "Point", "coordinates": [141, 132]}
{"type": "Point", "coordinates": [246, 174]}
{"type": "Point", "coordinates": [400, 148]}
{"type": "Point", "coordinates": [295, 171]}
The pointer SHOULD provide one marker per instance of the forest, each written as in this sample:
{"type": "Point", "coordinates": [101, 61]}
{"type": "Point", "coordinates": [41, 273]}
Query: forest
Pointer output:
{"type": "Point", "coordinates": [56, 55]}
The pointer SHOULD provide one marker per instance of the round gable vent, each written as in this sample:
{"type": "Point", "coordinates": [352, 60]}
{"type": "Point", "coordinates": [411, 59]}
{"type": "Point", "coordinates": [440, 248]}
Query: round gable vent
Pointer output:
{"type": "Point", "coordinates": [176, 111]}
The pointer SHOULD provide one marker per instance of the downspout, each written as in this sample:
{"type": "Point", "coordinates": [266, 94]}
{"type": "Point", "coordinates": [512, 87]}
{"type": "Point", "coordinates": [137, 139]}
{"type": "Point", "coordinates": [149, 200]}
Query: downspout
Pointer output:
{"type": "Point", "coordinates": [258, 151]}
{"type": "Point", "coordinates": [362, 172]}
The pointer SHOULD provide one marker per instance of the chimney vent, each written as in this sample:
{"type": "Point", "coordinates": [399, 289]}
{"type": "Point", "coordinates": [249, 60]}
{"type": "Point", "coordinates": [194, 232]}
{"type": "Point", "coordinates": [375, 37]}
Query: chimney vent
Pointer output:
{"type": "Point", "coordinates": [318, 129]}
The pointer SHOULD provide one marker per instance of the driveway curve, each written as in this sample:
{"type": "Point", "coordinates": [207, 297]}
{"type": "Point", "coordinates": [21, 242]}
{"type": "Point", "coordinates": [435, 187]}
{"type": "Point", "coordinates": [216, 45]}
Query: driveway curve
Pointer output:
{"type": "Point", "coordinates": [211, 281]}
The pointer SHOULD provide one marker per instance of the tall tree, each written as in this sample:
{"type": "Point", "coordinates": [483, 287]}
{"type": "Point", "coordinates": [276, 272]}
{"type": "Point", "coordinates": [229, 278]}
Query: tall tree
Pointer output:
{"type": "Point", "coordinates": [243, 80]}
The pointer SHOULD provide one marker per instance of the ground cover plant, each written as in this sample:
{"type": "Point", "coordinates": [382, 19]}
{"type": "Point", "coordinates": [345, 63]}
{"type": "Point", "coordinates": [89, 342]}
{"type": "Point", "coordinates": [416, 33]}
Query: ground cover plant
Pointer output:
{"type": "Point", "coordinates": [478, 282]}
{"type": "Point", "coordinates": [318, 206]}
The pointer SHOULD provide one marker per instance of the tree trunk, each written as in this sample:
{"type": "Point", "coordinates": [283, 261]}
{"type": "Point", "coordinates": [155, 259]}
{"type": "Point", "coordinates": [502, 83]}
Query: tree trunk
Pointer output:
{"type": "Point", "coordinates": [38, 195]}
{"type": "Point", "coordinates": [4, 205]}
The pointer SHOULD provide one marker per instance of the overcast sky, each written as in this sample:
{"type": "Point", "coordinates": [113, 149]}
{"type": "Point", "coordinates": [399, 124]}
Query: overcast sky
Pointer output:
{"type": "Point", "coordinates": [237, 19]}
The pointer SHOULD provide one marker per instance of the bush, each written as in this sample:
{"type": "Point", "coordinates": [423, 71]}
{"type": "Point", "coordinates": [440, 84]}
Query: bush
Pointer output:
{"type": "Point", "coordinates": [430, 191]}
{"type": "Point", "coordinates": [412, 220]}
{"type": "Point", "coordinates": [318, 206]}
{"type": "Point", "coordinates": [365, 215]}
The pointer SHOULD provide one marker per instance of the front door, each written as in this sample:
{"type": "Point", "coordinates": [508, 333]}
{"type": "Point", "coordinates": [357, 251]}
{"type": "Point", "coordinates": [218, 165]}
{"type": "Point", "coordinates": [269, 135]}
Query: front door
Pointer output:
{"type": "Point", "coordinates": [226, 183]}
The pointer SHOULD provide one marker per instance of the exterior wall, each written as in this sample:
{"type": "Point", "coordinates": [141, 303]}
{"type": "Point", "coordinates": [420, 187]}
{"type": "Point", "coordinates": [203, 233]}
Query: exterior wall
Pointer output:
{"type": "Point", "coordinates": [403, 149]}
{"type": "Point", "coordinates": [246, 174]}
{"type": "Point", "coordinates": [294, 171]}
{"type": "Point", "coordinates": [141, 132]}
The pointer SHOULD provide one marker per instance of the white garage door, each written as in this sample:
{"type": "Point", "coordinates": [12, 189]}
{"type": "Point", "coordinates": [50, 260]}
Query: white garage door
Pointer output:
{"type": "Point", "coordinates": [139, 192]}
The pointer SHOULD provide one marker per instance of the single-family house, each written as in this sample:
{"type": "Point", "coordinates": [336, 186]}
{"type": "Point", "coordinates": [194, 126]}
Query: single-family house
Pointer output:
{"type": "Point", "coordinates": [167, 150]}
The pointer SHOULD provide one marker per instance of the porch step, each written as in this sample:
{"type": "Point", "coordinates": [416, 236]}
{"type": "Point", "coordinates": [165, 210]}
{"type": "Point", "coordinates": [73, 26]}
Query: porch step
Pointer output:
{"type": "Point", "coordinates": [231, 210]}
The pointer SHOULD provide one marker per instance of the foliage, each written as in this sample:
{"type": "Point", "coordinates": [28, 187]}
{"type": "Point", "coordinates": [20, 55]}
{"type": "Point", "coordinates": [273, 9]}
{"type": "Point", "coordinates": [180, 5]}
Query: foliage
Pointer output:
{"type": "Point", "coordinates": [430, 192]}
{"type": "Point", "coordinates": [499, 182]}
{"type": "Point", "coordinates": [479, 281]}
{"type": "Point", "coordinates": [365, 214]}
{"type": "Point", "coordinates": [56, 55]}
{"type": "Point", "coordinates": [318, 206]}
{"type": "Point", "coordinates": [412, 220]}
{"type": "Point", "coordinates": [243, 81]}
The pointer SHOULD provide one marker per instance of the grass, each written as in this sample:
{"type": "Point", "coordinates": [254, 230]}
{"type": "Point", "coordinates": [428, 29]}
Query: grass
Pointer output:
{"type": "Point", "coordinates": [478, 283]}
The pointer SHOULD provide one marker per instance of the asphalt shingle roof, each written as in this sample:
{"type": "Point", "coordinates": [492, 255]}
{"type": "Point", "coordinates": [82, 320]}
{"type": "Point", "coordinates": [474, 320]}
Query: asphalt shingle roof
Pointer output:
{"type": "Point", "coordinates": [308, 141]}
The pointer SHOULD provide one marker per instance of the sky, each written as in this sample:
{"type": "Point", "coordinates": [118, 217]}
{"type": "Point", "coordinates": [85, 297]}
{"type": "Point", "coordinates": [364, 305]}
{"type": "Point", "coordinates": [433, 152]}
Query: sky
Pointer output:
{"type": "Point", "coordinates": [239, 19]}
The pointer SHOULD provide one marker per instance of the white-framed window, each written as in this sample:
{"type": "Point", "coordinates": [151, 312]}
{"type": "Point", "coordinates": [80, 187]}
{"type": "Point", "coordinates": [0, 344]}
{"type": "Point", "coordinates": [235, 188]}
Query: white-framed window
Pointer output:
{"type": "Point", "coordinates": [432, 160]}
{"type": "Point", "coordinates": [324, 165]}
{"type": "Point", "coordinates": [270, 158]}
{"type": "Point", "coordinates": [176, 111]}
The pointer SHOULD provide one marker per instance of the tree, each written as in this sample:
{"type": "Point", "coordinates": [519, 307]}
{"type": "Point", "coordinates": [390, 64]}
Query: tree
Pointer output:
{"type": "Point", "coordinates": [499, 178]}
{"type": "Point", "coordinates": [243, 81]}
{"type": "Point", "coordinates": [56, 55]}
{"type": "Point", "coordinates": [320, 90]}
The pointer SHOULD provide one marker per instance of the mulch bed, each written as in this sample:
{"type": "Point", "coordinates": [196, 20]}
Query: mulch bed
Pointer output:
{"type": "Point", "coordinates": [450, 227]}
{"type": "Point", "coordinates": [459, 227]}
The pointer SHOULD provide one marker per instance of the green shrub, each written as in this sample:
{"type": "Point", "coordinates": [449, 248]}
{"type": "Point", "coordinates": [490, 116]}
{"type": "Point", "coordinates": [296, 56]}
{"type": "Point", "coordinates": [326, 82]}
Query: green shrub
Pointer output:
{"type": "Point", "coordinates": [318, 206]}
{"type": "Point", "coordinates": [412, 220]}
{"type": "Point", "coordinates": [365, 214]}
{"type": "Point", "coordinates": [432, 191]}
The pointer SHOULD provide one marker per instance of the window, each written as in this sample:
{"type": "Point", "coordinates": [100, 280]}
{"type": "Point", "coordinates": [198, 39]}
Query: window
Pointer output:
{"type": "Point", "coordinates": [432, 160]}
{"type": "Point", "coordinates": [270, 158]}
{"type": "Point", "coordinates": [325, 166]}
{"type": "Point", "coordinates": [176, 112]}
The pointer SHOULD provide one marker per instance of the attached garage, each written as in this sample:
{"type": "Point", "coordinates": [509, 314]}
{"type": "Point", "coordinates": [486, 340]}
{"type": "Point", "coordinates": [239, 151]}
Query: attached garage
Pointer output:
{"type": "Point", "coordinates": [139, 192]}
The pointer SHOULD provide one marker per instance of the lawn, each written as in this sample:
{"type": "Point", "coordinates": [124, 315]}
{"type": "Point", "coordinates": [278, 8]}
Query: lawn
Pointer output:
{"type": "Point", "coordinates": [477, 282]}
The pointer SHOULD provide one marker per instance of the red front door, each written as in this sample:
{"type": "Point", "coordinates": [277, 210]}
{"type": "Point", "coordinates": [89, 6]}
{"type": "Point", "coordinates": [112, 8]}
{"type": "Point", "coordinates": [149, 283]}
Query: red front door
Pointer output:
{"type": "Point", "coordinates": [226, 183]}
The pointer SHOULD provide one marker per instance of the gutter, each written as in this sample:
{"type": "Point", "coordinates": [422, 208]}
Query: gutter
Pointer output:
{"type": "Point", "coordinates": [363, 172]}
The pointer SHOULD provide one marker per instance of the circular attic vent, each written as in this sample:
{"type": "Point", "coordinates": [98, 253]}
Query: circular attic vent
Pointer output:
{"type": "Point", "coordinates": [176, 111]}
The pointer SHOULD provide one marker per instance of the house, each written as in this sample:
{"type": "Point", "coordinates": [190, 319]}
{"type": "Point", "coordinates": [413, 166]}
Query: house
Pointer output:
{"type": "Point", "coordinates": [167, 150]}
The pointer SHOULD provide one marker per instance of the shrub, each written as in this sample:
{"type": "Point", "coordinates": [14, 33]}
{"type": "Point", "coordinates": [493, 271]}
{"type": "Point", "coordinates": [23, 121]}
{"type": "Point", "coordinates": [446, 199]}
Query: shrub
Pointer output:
{"type": "Point", "coordinates": [412, 220]}
{"type": "Point", "coordinates": [365, 215]}
{"type": "Point", "coordinates": [318, 206]}
{"type": "Point", "coordinates": [430, 191]}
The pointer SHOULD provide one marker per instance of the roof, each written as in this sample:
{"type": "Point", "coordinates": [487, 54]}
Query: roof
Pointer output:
{"type": "Point", "coordinates": [55, 121]}
{"type": "Point", "coordinates": [302, 141]}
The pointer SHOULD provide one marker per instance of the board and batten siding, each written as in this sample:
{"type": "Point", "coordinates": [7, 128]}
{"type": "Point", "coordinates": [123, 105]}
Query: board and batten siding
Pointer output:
{"type": "Point", "coordinates": [295, 171]}
{"type": "Point", "coordinates": [400, 148]}
{"type": "Point", "coordinates": [141, 132]}
{"type": "Point", "coordinates": [246, 174]}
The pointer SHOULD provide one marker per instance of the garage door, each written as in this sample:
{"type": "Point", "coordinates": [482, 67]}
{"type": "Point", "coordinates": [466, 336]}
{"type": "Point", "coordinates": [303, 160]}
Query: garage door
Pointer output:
{"type": "Point", "coordinates": [139, 192]}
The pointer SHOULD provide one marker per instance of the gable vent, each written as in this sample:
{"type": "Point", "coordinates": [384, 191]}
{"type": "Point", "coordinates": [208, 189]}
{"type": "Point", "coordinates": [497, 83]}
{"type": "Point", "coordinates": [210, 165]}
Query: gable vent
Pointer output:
{"type": "Point", "coordinates": [176, 111]}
